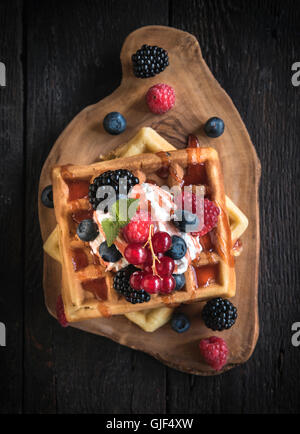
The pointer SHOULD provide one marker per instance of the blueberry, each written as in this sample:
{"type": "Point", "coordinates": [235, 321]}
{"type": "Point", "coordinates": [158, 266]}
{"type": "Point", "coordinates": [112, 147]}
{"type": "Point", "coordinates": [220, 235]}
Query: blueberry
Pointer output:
{"type": "Point", "coordinates": [114, 123]}
{"type": "Point", "coordinates": [178, 248]}
{"type": "Point", "coordinates": [47, 197]}
{"type": "Point", "coordinates": [180, 322]}
{"type": "Point", "coordinates": [186, 221]}
{"type": "Point", "coordinates": [214, 127]}
{"type": "Point", "coordinates": [109, 254]}
{"type": "Point", "coordinates": [180, 281]}
{"type": "Point", "coordinates": [87, 230]}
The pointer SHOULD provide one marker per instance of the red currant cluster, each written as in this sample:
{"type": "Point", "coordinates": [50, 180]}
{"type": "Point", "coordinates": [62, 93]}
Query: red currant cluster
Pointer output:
{"type": "Point", "coordinates": [156, 268]}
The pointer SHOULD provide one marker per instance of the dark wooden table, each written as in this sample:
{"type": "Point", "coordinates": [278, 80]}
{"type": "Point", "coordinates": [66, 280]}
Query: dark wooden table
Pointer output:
{"type": "Point", "coordinates": [61, 56]}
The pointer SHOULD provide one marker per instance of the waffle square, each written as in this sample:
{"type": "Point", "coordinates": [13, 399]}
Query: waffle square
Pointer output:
{"type": "Point", "coordinates": [87, 288]}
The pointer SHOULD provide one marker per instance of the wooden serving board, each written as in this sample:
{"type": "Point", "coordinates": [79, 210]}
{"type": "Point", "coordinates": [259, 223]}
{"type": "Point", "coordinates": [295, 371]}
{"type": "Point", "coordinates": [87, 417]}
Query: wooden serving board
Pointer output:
{"type": "Point", "coordinates": [198, 97]}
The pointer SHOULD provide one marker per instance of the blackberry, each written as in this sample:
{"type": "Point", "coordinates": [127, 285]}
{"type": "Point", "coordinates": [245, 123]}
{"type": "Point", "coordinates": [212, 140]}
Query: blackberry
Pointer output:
{"type": "Point", "coordinates": [219, 314]}
{"type": "Point", "coordinates": [111, 178]}
{"type": "Point", "coordinates": [122, 286]}
{"type": "Point", "coordinates": [149, 61]}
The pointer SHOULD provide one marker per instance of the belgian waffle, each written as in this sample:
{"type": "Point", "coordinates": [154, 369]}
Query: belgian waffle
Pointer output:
{"type": "Point", "coordinates": [87, 289]}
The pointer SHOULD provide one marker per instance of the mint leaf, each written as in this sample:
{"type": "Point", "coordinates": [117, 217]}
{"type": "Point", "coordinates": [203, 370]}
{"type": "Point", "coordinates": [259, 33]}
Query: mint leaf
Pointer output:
{"type": "Point", "coordinates": [111, 230]}
{"type": "Point", "coordinates": [132, 207]}
{"type": "Point", "coordinates": [123, 210]}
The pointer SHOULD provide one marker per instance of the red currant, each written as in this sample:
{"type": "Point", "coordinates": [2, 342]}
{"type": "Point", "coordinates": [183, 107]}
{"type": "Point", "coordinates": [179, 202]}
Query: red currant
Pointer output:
{"type": "Point", "coordinates": [149, 258]}
{"type": "Point", "coordinates": [135, 279]}
{"type": "Point", "coordinates": [151, 284]}
{"type": "Point", "coordinates": [166, 266]}
{"type": "Point", "coordinates": [135, 254]}
{"type": "Point", "coordinates": [147, 268]}
{"type": "Point", "coordinates": [168, 284]}
{"type": "Point", "coordinates": [161, 242]}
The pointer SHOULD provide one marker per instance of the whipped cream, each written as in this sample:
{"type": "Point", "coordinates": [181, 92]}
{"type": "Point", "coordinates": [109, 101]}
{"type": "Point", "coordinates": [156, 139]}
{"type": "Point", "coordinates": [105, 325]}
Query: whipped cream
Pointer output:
{"type": "Point", "coordinates": [161, 200]}
{"type": "Point", "coordinates": [102, 216]}
{"type": "Point", "coordinates": [193, 245]}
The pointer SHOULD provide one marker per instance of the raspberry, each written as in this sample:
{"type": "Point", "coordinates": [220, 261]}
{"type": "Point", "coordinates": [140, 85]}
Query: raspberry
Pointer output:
{"type": "Point", "coordinates": [60, 312]}
{"type": "Point", "coordinates": [211, 212]}
{"type": "Point", "coordinates": [215, 352]}
{"type": "Point", "coordinates": [137, 230]}
{"type": "Point", "coordinates": [160, 98]}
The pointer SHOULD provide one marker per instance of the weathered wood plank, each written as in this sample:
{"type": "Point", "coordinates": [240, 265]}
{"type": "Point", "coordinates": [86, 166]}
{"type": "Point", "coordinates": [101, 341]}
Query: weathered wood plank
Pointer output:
{"type": "Point", "coordinates": [11, 204]}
